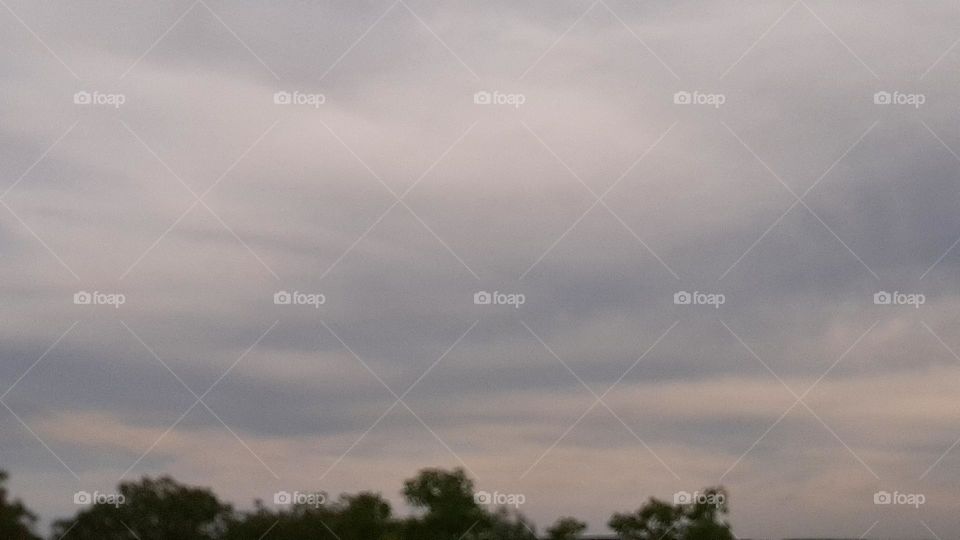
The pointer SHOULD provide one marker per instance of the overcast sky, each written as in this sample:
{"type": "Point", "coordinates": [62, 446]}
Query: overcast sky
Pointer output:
{"type": "Point", "coordinates": [786, 188]}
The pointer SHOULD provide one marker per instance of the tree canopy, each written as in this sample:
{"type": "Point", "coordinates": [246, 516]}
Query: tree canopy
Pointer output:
{"type": "Point", "coordinates": [445, 507]}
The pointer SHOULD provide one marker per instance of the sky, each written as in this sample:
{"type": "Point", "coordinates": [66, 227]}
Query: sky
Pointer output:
{"type": "Point", "coordinates": [721, 243]}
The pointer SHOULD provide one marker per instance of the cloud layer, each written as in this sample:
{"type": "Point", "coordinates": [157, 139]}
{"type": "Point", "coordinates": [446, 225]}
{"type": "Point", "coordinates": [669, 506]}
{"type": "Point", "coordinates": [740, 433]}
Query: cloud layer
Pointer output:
{"type": "Point", "coordinates": [598, 198]}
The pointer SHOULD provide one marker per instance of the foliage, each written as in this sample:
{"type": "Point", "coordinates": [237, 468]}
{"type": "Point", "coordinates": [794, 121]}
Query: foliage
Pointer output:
{"type": "Point", "coordinates": [443, 502]}
{"type": "Point", "coordinates": [702, 519]}
{"type": "Point", "coordinates": [152, 509]}
{"type": "Point", "coordinates": [16, 522]}
{"type": "Point", "coordinates": [566, 528]}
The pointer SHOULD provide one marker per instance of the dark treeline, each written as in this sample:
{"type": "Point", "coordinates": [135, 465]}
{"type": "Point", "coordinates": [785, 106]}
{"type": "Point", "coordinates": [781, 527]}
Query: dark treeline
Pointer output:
{"type": "Point", "coordinates": [444, 502]}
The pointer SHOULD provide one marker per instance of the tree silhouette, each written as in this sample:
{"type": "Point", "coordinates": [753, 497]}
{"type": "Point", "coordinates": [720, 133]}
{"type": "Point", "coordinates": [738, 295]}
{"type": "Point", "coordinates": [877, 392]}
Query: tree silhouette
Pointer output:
{"type": "Point", "coordinates": [16, 522]}
{"type": "Point", "coordinates": [566, 528]}
{"type": "Point", "coordinates": [159, 509]}
{"type": "Point", "coordinates": [701, 519]}
{"type": "Point", "coordinates": [443, 502]}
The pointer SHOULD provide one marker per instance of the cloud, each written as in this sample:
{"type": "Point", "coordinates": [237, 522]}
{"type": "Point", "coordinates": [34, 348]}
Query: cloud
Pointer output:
{"type": "Point", "coordinates": [501, 199]}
